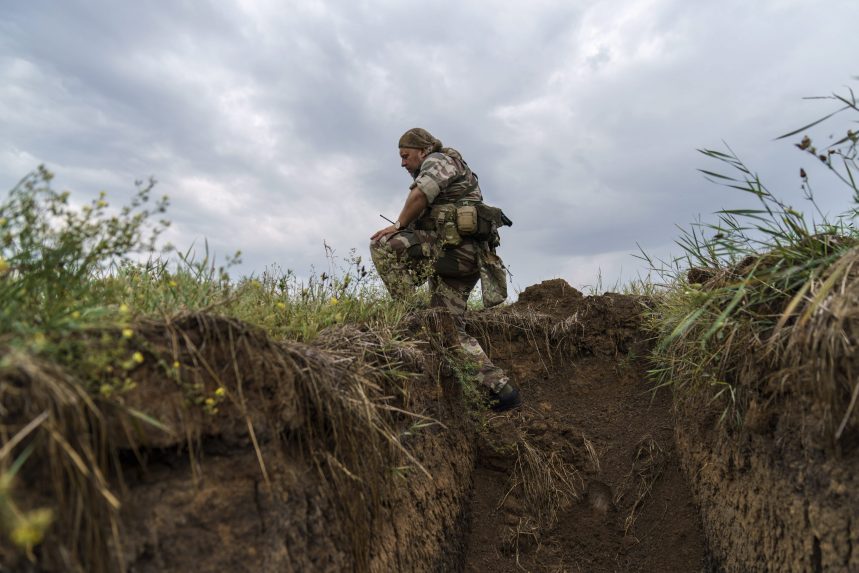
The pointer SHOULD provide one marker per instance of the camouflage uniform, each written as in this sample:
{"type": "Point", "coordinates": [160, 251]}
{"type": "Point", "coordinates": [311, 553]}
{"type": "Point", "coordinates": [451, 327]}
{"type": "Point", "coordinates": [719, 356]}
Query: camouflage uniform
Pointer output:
{"type": "Point", "coordinates": [414, 255]}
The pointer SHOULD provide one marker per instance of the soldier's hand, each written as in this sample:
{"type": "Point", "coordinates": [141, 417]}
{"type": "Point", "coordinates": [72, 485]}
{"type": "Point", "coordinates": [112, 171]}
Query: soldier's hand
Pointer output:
{"type": "Point", "coordinates": [381, 233]}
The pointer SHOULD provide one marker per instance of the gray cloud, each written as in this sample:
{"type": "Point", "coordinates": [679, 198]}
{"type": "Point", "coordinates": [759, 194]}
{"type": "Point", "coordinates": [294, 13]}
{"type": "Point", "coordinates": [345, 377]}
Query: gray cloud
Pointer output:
{"type": "Point", "coordinates": [273, 125]}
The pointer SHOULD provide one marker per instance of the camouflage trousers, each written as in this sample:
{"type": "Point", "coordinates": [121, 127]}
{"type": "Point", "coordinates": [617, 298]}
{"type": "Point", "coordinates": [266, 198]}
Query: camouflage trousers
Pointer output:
{"type": "Point", "coordinates": [409, 258]}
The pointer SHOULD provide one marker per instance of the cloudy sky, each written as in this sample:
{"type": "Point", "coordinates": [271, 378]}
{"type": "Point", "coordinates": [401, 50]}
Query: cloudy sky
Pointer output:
{"type": "Point", "coordinates": [272, 125]}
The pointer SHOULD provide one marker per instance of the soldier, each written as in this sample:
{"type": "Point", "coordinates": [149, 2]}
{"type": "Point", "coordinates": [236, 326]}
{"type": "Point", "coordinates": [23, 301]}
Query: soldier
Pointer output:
{"type": "Point", "coordinates": [429, 242]}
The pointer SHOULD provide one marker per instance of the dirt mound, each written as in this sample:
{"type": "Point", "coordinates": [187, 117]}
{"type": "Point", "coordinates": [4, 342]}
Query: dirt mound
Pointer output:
{"type": "Point", "coordinates": [608, 324]}
{"type": "Point", "coordinates": [553, 297]}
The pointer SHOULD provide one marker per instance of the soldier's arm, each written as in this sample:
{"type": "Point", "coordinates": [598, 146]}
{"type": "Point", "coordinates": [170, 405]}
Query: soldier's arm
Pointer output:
{"type": "Point", "coordinates": [416, 202]}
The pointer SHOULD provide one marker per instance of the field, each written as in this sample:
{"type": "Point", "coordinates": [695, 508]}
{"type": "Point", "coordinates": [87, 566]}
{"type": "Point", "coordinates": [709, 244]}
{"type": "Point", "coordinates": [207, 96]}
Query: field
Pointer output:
{"type": "Point", "coordinates": [159, 415]}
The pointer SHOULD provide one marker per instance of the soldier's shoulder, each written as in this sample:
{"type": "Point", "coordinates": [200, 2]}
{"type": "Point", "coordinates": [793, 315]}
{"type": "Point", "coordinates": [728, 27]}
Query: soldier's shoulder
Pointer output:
{"type": "Point", "coordinates": [437, 157]}
{"type": "Point", "coordinates": [436, 161]}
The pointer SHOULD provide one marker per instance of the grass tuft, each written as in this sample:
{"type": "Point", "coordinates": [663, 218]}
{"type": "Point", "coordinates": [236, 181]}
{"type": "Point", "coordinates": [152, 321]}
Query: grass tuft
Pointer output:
{"type": "Point", "coordinates": [765, 291]}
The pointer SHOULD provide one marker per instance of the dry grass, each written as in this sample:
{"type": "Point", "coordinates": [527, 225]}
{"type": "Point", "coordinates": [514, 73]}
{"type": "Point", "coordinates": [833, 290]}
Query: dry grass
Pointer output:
{"type": "Point", "coordinates": [593, 454]}
{"type": "Point", "coordinates": [546, 485]}
{"type": "Point", "coordinates": [70, 444]}
{"type": "Point", "coordinates": [765, 342]}
{"type": "Point", "coordinates": [515, 323]}
{"type": "Point", "coordinates": [817, 338]}
{"type": "Point", "coordinates": [524, 536]}
{"type": "Point", "coordinates": [647, 467]}
{"type": "Point", "coordinates": [545, 482]}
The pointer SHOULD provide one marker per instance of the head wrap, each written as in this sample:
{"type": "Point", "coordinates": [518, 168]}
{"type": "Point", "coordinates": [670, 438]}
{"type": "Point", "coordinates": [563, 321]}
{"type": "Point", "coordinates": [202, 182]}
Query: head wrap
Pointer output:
{"type": "Point", "coordinates": [419, 138]}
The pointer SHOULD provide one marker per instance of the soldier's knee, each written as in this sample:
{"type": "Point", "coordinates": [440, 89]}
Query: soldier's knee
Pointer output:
{"type": "Point", "coordinates": [384, 248]}
{"type": "Point", "coordinates": [377, 251]}
{"type": "Point", "coordinates": [416, 251]}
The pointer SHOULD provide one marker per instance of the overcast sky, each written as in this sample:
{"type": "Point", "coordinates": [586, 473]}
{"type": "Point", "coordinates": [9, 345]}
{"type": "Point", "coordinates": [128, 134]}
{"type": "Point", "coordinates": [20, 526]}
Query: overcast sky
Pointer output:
{"type": "Point", "coordinates": [272, 125]}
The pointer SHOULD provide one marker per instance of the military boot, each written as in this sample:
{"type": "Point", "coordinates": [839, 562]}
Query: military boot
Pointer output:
{"type": "Point", "coordinates": [506, 398]}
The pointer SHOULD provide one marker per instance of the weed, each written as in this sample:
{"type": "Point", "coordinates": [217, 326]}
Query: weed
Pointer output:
{"type": "Point", "coordinates": [51, 251]}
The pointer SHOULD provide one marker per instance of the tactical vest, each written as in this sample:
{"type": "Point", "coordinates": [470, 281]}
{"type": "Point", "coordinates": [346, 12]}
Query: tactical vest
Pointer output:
{"type": "Point", "coordinates": [459, 213]}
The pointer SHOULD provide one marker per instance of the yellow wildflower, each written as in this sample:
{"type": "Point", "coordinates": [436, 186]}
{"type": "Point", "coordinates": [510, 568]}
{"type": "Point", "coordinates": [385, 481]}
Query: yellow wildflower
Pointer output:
{"type": "Point", "coordinates": [220, 392]}
{"type": "Point", "coordinates": [123, 308]}
{"type": "Point", "coordinates": [334, 300]}
{"type": "Point", "coordinates": [137, 357]}
{"type": "Point", "coordinates": [127, 333]}
{"type": "Point", "coordinates": [173, 283]}
{"type": "Point", "coordinates": [210, 401]}
{"type": "Point", "coordinates": [106, 390]}
{"type": "Point", "coordinates": [4, 266]}
{"type": "Point", "coordinates": [101, 203]}
{"type": "Point", "coordinates": [176, 364]}
{"type": "Point", "coordinates": [281, 305]}
{"type": "Point", "coordinates": [2, 221]}
{"type": "Point", "coordinates": [39, 339]}
{"type": "Point", "coordinates": [31, 529]}
{"type": "Point", "coordinates": [76, 314]}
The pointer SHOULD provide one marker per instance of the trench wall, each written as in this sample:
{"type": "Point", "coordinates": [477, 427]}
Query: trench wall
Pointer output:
{"type": "Point", "coordinates": [771, 499]}
{"type": "Point", "coordinates": [223, 515]}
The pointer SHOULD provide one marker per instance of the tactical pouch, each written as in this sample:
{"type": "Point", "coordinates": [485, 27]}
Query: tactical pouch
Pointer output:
{"type": "Point", "coordinates": [445, 224]}
{"type": "Point", "coordinates": [489, 220]}
{"type": "Point", "coordinates": [493, 279]}
{"type": "Point", "coordinates": [466, 220]}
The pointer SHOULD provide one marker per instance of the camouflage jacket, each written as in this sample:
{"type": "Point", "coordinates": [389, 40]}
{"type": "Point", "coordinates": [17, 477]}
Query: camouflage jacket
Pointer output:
{"type": "Point", "coordinates": [445, 178]}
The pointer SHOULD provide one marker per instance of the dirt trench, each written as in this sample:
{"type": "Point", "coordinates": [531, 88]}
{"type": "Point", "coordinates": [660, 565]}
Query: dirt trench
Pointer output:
{"type": "Point", "coordinates": [590, 404]}
{"type": "Point", "coordinates": [583, 477]}
{"type": "Point", "coordinates": [596, 472]}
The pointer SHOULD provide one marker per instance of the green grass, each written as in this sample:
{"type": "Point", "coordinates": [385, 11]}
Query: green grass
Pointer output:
{"type": "Point", "coordinates": [755, 272]}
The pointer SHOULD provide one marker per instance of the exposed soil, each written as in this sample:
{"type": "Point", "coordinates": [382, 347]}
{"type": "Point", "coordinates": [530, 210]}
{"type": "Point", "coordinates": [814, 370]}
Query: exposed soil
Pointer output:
{"type": "Point", "coordinates": [771, 497]}
{"type": "Point", "coordinates": [592, 406]}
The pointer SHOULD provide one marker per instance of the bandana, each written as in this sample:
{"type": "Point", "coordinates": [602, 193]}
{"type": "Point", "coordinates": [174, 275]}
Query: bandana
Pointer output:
{"type": "Point", "coordinates": [418, 138]}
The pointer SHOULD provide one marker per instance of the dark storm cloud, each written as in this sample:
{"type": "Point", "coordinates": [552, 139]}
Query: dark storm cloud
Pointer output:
{"type": "Point", "coordinates": [273, 125]}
